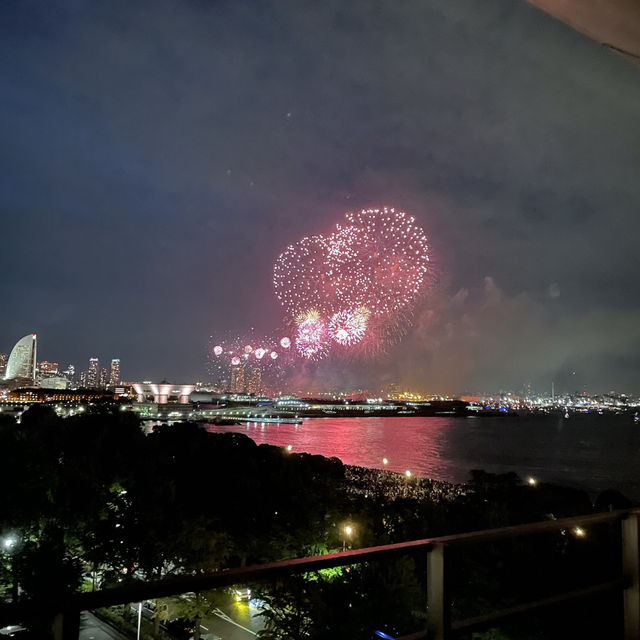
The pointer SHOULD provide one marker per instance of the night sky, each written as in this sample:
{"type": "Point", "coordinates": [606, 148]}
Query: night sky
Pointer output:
{"type": "Point", "coordinates": [157, 156]}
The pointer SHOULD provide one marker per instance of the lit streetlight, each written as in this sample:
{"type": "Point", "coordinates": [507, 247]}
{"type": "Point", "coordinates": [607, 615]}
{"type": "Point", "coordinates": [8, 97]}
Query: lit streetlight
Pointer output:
{"type": "Point", "coordinates": [385, 461]}
{"type": "Point", "coordinates": [532, 481]}
{"type": "Point", "coordinates": [348, 531]}
{"type": "Point", "coordinates": [407, 474]}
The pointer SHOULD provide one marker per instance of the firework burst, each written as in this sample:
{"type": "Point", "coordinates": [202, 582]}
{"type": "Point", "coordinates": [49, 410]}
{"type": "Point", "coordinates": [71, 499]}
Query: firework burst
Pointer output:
{"type": "Point", "coordinates": [377, 261]}
{"type": "Point", "coordinates": [348, 327]}
{"type": "Point", "coordinates": [311, 336]}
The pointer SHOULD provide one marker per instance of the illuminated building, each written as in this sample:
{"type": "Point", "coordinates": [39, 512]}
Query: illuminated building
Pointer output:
{"type": "Point", "coordinates": [70, 372]}
{"type": "Point", "coordinates": [48, 368]}
{"type": "Point", "coordinates": [93, 375]}
{"type": "Point", "coordinates": [254, 382]}
{"type": "Point", "coordinates": [83, 379]}
{"type": "Point", "coordinates": [22, 359]}
{"type": "Point", "coordinates": [54, 382]}
{"type": "Point", "coordinates": [163, 392]}
{"type": "Point", "coordinates": [3, 364]}
{"type": "Point", "coordinates": [104, 377]}
{"type": "Point", "coordinates": [237, 378]}
{"type": "Point", "coordinates": [114, 376]}
{"type": "Point", "coordinates": [58, 395]}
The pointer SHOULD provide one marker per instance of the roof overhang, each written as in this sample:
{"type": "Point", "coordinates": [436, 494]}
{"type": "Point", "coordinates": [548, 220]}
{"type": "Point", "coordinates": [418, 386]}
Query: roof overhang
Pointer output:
{"type": "Point", "coordinates": [612, 23]}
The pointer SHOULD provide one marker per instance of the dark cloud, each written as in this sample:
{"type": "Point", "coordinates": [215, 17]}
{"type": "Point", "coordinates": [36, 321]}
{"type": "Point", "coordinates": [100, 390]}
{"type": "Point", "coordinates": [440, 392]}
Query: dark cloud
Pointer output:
{"type": "Point", "coordinates": [157, 156]}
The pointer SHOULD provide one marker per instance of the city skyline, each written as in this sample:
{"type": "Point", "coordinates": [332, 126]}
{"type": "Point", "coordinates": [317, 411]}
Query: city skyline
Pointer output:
{"type": "Point", "coordinates": [524, 182]}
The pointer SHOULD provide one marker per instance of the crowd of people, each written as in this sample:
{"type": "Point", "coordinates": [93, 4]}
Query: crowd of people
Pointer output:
{"type": "Point", "coordinates": [392, 485]}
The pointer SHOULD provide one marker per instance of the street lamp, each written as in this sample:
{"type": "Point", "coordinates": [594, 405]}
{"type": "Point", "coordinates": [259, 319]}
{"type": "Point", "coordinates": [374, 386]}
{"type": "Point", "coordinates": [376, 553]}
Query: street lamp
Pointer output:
{"type": "Point", "coordinates": [385, 461]}
{"type": "Point", "coordinates": [7, 545]}
{"type": "Point", "coordinates": [407, 474]}
{"type": "Point", "coordinates": [348, 530]}
{"type": "Point", "coordinates": [532, 482]}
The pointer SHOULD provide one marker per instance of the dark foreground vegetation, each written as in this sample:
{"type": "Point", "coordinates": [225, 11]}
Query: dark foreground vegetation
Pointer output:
{"type": "Point", "coordinates": [91, 502]}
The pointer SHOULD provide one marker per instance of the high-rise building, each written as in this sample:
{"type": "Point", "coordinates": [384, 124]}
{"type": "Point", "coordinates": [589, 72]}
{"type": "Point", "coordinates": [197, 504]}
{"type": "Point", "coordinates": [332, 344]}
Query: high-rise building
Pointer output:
{"type": "Point", "coordinates": [237, 378]}
{"type": "Point", "coordinates": [104, 378]}
{"type": "Point", "coordinates": [93, 374]}
{"type": "Point", "coordinates": [70, 372]}
{"type": "Point", "coordinates": [114, 376]}
{"type": "Point", "coordinates": [3, 364]}
{"type": "Point", "coordinates": [83, 379]}
{"type": "Point", "coordinates": [22, 359]}
{"type": "Point", "coordinates": [48, 368]}
{"type": "Point", "coordinates": [254, 381]}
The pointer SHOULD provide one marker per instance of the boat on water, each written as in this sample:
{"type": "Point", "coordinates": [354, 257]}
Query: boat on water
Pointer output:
{"type": "Point", "coordinates": [272, 420]}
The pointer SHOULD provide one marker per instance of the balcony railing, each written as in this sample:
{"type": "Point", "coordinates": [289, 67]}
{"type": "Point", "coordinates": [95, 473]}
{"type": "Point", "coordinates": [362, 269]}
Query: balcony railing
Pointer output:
{"type": "Point", "coordinates": [438, 551]}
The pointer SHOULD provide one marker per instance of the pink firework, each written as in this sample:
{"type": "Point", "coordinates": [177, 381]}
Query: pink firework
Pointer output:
{"type": "Point", "coordinates": [285, 342]}
{"type": "Point", "coordinates": [311, 339]}
{"type": "Point", "coordinates": [378, 259]}
{"type": "Point", "coordinates": [392, 260]}
{"type": "Point", "coordinates": [217, 350]}
{"type": "Point", "coordinates": [260, 353]}
{"type": "Point", "coordinates": [348, 327]}
{"type": "Point", "coordinates": [300, 276]}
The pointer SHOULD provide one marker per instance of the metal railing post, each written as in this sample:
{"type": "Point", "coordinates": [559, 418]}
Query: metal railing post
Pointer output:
{"type": "Point", "coordinates": [438, 613]}
{"type": "Point", "coordinates": [66, 625]}
{"type": "Point", "coordinates": [631, 573]}
{"type": "Point", "coordinates": [57, 627]}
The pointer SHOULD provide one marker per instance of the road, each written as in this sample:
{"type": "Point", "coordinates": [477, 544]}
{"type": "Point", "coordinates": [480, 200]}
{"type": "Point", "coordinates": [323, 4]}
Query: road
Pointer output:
{"type": "Point", "coordinates": [92, 628]}
{"type": "Point", "coordinates": [237, 621]}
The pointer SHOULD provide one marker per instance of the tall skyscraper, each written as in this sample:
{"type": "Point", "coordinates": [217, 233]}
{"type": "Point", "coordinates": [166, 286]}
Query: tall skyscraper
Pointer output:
{"type": "Point", "coordinates": [93, 374]}
{"type": "Point", "coordinates": [70, 372]}
{"type": "Point", "coordinates": [254, 381]}
{"type": "Point", "coordinates": [3, 364]}
{"type": "Point", "coordinates": [114, 376]}
{"type": "Point", "coordinates": [22, 359]}
{"type": "Point", "coordinates": [104, 378]}
{"type": "Point", "coordinates": [83, 379]}
{"type": "Point", "coordinates": [237, 378]}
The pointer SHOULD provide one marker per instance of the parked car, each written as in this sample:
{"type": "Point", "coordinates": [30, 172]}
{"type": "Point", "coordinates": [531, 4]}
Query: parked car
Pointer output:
{"type": "Point", "coordinates": [180, 628]}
